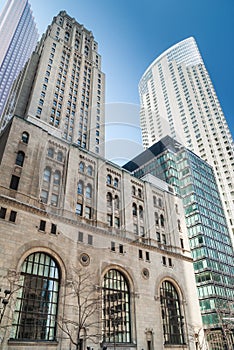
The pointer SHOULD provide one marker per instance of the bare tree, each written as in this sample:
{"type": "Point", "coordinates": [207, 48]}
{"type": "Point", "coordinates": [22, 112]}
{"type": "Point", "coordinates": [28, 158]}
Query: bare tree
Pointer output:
{"type": "Point", "coordinates": [82, 310]}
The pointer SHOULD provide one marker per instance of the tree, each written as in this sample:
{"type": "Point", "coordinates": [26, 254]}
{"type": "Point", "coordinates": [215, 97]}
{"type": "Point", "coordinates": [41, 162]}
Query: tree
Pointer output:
{"type": "Point", "coordinates": [82, 314]}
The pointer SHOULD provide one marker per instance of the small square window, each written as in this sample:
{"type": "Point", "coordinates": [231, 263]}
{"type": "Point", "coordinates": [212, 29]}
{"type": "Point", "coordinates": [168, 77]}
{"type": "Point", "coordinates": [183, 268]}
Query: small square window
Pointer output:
{"type": "Point", "coordinates": [42, 225]}
{"type": "Point", "coordinates": [3, 213]}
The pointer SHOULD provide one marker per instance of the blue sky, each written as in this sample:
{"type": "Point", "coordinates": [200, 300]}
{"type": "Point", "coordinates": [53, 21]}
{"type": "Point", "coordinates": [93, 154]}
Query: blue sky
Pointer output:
{"type": "Point", "coordinates": [132, 33]}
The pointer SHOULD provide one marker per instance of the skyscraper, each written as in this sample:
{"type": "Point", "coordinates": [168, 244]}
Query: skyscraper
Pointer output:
{"type": "Point", "coordinates": [193, 179]}
{"type": "Point", "coordinates": [68, 93]}
{"type": "Point", "coordinates": [178, 99]}
{"type": "Point", "coordinates": [18, 38]}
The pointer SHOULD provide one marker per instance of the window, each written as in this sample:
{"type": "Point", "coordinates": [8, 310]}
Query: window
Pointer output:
{"type": "Point", "coordinates": [139, 193]}
{"type": "Point", "coordinates": [121, 251]}
{"type": "Point", "coordinates": [87, 214]}
{"type": "Point", "coordinates": [133, 190]}
{"type": "Point", "coordinates": [81, 167]}
{"type": "Point", "coordinates": [164, 260]}
{"type": "Point", "coordinates": [117, 222]}
{"type": "Point", "coordinates": [80, 187]}
{"type": "Point", "coordinates": [60, 156]}
{"type": "Point", "coordinates": [116, 308]}
{"type": "Point", "coordinates": [147, 257]}
{"type": "Point", "coordinates": [54, 200]}
{"type": "Point", "coordinates": [25, 137]}
{"type": "Point", "coordinates": [42, 225]}
{"type": "Point", "coordinates": [57, 177]}
{"type": "Point", "coordinates": [179, 225]}
{"type": "Point", "coordinates": [50, 152]}
{"type": "Point", "coordinates": [116, 182]}
{"type": "Point", "coordinates": [53, 229]}
{"type": "Point", "coordinates": [170, 262]}
{"type": "Point", "coordinates": [20, 158]}
{"type": "Point", "coordinates": [88, 192]}
{"type": "Point", "coordinates": [108, 179]}
{"type": "Point", "coordinates": [44, 196]}
{"type": "Point", "coordinates": [134, 209]}
{"type": "Point", "coordinates": [3, 213]}
{"type": "Point", "coordinates": [47, 175]}
{"type": "Point", "coordinates": [171, 314]}
{"type": "Point", "coordinates": [158, 237]}
{"type": "Point", "coordinates": [135, 229]}
{"type": "Point", "coordinates": [182, 243]}
{"type": "Point", "coordinates": [14, 182]}
{"type": "Point", "coordinates": [162, 220]}
{"type": "Point", "coordinates": [79, 209]}
{"type": "Point", "coordinates": [12, 217]}
{"type": "Point", "coordinates": [109, 199]}
{"type": "Point", "coordinates": [109, 220]}
{"type": "Point", "coordinates": [90, 170]}
{"type": "Point", "coordinates": [113, 246]}
{"type": "Point", "coordinates": [140, 212]}
{"type": "Point", "coordinates": [156, 219]}
{"type": "Point", "coordinates": [116, 203]}
{"type": "Point", "coordinates": [37, 301]}
{"type": "Point", "coordinates": [90, 239]}
{"type": "Point", "coordinates": [160, 202]}
{"type": "Point", "coordinates": [140, 254]}
{"type": "Point", "coordinates": [155, 201]}
{"type": "Point", "coordinates": [80, 236]}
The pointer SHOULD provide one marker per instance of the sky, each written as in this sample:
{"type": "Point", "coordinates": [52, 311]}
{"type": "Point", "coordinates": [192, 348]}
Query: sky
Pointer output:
{"type": "Point", "coordinates": [132, 33]}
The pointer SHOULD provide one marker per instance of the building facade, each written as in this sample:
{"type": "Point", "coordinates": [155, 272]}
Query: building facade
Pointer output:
{"type": "Point", "coordinates": [77, 227]}
{"type": "Point", "coordinates": [18, 38]}
{"type": "Point", "coordinates": [207, 229]}
{"type": "Point", "coordinates": [63, 86]}
{"type": "Point", "coordinates": [178, 99]}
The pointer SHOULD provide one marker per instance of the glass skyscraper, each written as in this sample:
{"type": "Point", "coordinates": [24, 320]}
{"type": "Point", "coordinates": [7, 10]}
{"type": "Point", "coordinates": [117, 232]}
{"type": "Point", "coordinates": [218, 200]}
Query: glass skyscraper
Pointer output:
{"type": "Point", "coordinates": [193, 179]}
{"type": "Point", "coordinates": [18, 38]}
{"type": "Point", "coordinates": [178, 99]}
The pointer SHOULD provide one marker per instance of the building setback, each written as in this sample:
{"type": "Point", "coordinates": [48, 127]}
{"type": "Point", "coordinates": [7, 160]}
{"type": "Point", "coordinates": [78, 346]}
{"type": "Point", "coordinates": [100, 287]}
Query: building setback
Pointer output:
{"type": "Point", "coordinates": [193, 179]}
{"type": "Point", "coordinates": [178, 99]}
{"type": "Point", "coordinates": [63, 86]}
{"type": "Point", "coordinates": [18, 38]}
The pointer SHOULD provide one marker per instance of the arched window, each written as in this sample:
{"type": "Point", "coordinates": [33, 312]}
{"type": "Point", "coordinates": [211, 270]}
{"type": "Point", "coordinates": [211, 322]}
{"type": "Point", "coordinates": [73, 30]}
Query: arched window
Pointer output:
{"type": "Point", "coordinates": [66, 36]}
{"type": "Point", "coordinates": [37, 301]}
{"type": "Point", "coordinates": [109, 199]}
{"type": "Point", "coordinates": [20, 158]}
{"type": "Point", "coordinates": [171, 314]}
{"type": "Point", "coordinates": [134, 209]}
{"type": "Point", "coordinates": [156, 219]}
{"type": "Point", "coordinates": [47, 174]}
{"type": "Point", "coordinates": [77, 43]}
{"type": "Point", "coordinates": [162, 220]}
{"type": "Point", "coordinates": [116, 182]}
{"type": "Point", "coordinates": [116, 203]}
{"type": "Point", "coordinates": [133, 190]}
{"type": "Point", "coordinates": [80, 187]}
{"type": "Point", "coordinates": [116, 308]}
{"type": "Point", "coordinates": [60, 156]}
{"type": "Point", "coordinates": [139, 193]}
{"type": "Point", "coordinates": [50, 152]}
{"type": "Point", "coordinates": [108, 179]}
{"type": "Point", "coordinates": [25, 137]}
{"type": "Point", "coordinates": [88, 191]}
{"type": "Point", "coordinates": [90, 170]}
{"type": "Point", "coordinates": [86, 50]}
{"type": "Point", "coordinates": [57, 177]}
{"type": "Point", "coordinates": [81, 167]}
{"type": "Point", "coordinates": [141, 213]}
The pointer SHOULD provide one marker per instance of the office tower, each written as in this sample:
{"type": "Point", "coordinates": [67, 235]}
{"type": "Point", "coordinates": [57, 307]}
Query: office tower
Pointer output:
{"type": "Point", "coordinates": [18, 38]}
{"type": "Point", "coordinates": [178, 99]}
{"type": "Point", "coordinates": [63, 85]}
{"type": "Point", "coordinates": [193, 179]}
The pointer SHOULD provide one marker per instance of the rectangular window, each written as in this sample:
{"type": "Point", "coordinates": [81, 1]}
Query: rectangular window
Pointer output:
{"type": "Point", "coordinates": [109, 220]}
{"type": "Point", "coordinates": [90, 239]}
{"type": "Point", "coordinates": [12, 217]}
{"type": "Point", "coordinates": [164, 260]}
{"type": "Point", "coordinates": [164, 239]}
{"type": "Point", "coordinates": [121, 249]}
{"type": "Point", "coordinates": [87, 213]}
{"type": "Point", "coordinates": [54, 200]}
{"type": "Point", "coordinates": [170, 262]}
{"type": "Point", "coordinates": [147, 258]}
{"type": "Point", "coordinates": [135, 229]}
{"type": "Point", "coordinates": [14, 182]}
{"type": "Point", "coordinates": [182, 243]}
{"type": "Point", "coordinates": [42, 225]}
{"type": "Point", "coordinates": [140, 254]}
{"type": "Point", "coordinates": [142, 231]}
{"type": "Point", "coordinates": [117, 222]}
{"type": "Point", "coordinates": [79, 209]}
{"type": "Point", "coordinates": [53, 229]}
{"type": "Point", "coordinates": [3, 213]}
{"type": "Point", "coordinates": [158, 237]}
{"type": "Point", "coordinates": [113, 246]}
{"type": "Point", "coordinates": [44, 196]}
{"type": "Point", "coordinates": [80, 236]}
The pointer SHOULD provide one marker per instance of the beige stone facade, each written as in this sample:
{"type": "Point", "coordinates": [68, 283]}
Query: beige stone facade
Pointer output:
{"type": "Point", "coordinates": [115, 223]}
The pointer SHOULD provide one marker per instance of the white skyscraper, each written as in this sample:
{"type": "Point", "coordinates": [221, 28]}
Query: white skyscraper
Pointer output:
{"type": "Point", "coordinates": [178, 99]}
